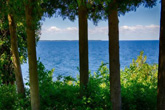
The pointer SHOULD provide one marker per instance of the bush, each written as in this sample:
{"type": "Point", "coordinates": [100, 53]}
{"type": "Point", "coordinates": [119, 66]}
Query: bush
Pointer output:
{"type": "Point", "coordinates": [7, 97]}
{"type": "Point", "coordinates": [138, 85]}
{"type": "Point", "coordinates": [10, 100]}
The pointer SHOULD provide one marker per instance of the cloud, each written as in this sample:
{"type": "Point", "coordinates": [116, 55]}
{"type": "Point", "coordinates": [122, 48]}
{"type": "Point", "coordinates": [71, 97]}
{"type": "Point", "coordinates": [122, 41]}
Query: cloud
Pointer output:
{"type": "Point", "coordinates": [137, 32]}
{"type": "Point", "coordinates": [99, 30]}
{"type": "Point", "coordinates": [53, 29]}
{"type": "Point", "coordinates": [139, 28]}
{"type": "Point", "coordinates": [72, 29]}
{"type": "Point", "coordinates": [127, 29]}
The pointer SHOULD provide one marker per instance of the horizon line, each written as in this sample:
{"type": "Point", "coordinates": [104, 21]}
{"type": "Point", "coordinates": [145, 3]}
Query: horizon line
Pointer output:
{"type": "Point", "coordinates": [103, 40]}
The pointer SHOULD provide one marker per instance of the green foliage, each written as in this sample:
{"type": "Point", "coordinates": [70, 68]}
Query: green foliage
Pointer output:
{"type": "Point", "coordinates": [8, 95]}
{"type": "Point", "coordinates": [6, 66]}
{"type": "Point", "coordinates": [138, 83]}
{"type": "Point", "coordinates": [102, 7]}
{"type": "Point", "coordinates": [6, 70]}
{"type": "Point", "coordinates": [10, 100]}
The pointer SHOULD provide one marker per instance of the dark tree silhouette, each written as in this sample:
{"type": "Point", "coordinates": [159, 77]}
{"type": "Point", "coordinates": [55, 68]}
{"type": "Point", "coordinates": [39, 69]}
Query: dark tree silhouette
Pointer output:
{"type": "Point", "coordinates": [83, 44]}
{"type": "Point", "coordinates": [114, 66]}
{"type": "Point", "coordinates": [161, 69]}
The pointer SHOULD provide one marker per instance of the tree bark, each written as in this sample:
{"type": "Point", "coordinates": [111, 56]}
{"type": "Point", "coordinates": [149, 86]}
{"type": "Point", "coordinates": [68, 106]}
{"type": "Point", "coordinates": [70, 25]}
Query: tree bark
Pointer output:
{"type": "Point", "coordinates": [83, 46]}
{"type": "Point", "coordinates": [161, 69]}
{"type": "Point", "coordinates": [115, 88]}
{"type": "Point", "coordinates": [15, 56]}
{"type": "Point", "coordinates": [30, 30]}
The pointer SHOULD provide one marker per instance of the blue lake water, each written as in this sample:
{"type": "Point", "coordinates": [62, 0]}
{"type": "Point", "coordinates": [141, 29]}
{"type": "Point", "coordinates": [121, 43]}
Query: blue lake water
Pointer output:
{"type": "Point", "coordinates": [64, 55]}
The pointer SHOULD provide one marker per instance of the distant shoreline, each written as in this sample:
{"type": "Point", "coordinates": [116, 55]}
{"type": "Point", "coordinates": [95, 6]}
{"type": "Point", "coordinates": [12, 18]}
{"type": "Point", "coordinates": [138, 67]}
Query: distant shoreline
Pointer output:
{"type": "Point", "coordinates": [96, 40]}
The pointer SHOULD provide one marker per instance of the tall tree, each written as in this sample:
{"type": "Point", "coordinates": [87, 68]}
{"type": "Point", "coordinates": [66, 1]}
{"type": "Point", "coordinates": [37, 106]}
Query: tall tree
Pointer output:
{"type": "Point", "coordinates": [114, 60]}
{"type": "Point", "coordinates": [30, 14]}
{"type": "Point", "coordinates": [71, 9]}
{"type": "Point", "coordinates": [116, 7]}
{"type": "Point", "coordinates": [6, 66]}
{"type": "Point", "coordinates": [7, 40]}
{"type": "Point", "coordinates": [79, 8]}
{"type": "Point", "coordinates": [14, 50]}
{"type": "Point", "coordinates": [161, 69]}
{"type": "Point", "coordinates": [83, 43]}
{"type": "Point", "coordinates": [15, 55]}
{"type": "Point", "coordinates": [111, 10]}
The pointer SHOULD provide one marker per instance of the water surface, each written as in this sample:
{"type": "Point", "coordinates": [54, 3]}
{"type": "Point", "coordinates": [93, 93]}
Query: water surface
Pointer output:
{"type": "Point", "coordinates": [64, 55]}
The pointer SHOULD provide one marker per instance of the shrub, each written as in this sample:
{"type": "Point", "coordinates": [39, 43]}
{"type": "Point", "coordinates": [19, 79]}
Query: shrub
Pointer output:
{"type": "Point", "coordinates": [10, 100]}
{"type": "Point", "coordinates": [138, 85]}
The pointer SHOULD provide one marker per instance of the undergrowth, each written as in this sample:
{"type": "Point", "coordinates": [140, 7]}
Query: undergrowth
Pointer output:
{"type": "Point", "coordinates": [138, 89]}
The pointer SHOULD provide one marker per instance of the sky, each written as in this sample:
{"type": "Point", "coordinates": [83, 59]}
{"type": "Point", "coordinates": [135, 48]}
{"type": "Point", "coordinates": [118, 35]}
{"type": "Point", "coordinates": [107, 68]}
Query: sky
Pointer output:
{"type": "Point", "coordinates": [143, 24]}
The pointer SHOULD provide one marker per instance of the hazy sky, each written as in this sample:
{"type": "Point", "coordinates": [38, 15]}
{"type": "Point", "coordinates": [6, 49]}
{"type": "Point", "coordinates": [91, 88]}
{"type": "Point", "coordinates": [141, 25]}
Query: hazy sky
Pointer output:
{"type": "Point", "coordinates": [140, 25]}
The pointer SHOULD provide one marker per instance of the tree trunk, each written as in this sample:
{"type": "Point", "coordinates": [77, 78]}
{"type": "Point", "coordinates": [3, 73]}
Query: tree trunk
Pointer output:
{"type": "Point", "coordinates": [30, 30]}
{"type": "Point", "coordinates": [83, 46]}
{"type": "Point", "coordinates": [15, 56]}
{"type": "Point", "coordinates": [161, 69]}
{"type": "Point", "coordinates": [115, 88]}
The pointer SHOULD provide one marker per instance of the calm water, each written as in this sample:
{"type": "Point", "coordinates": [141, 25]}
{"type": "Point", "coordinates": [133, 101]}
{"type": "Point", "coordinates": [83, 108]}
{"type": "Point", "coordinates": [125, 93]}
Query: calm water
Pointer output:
{"type": "Point", "coordinates": [64, 55]}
